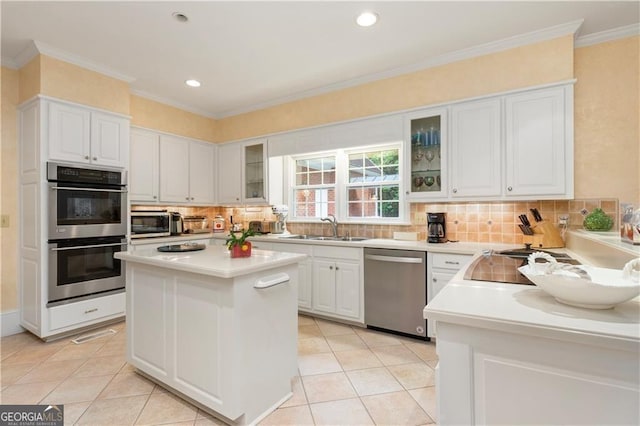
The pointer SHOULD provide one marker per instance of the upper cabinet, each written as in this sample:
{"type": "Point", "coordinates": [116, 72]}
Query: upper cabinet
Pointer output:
{"type": "Point", "coordinates": [83, 135]}
{"type": "Point", "coordinates": [539, 143]}
{"type": "Point", "coordinates": [167, 168]}
{"type": "Point", "coordinates": [426, 155]}
{"type": "Point", "coordinates": [144, 176]}
{"type": "Point", "coordinates": [242, 173]}
{"type": "Point", "coordinates": [476, 149]}
{"type": "Point", "coordinates": [517, 146]}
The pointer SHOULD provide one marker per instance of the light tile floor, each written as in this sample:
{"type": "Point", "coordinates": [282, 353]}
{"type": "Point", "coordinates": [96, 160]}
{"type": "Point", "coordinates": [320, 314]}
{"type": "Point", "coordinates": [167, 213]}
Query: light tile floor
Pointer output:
{"type": "Point", "coordinates": [348, 376]}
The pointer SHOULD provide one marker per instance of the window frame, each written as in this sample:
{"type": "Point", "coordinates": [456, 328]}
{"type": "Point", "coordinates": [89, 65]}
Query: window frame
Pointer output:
{"type": "Point", "coordinates": [342, 185]}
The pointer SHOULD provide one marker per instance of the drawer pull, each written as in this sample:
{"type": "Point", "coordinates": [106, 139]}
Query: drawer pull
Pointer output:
{"type": "Point", "coordinates": [88, 311]}
{"type": "Point", "coordinates": [449, 262]}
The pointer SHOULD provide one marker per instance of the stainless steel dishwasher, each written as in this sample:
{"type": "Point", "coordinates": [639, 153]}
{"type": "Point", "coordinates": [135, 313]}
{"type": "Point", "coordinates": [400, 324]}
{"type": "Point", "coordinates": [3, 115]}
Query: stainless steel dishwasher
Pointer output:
{"type": "Point", "coordinates": [395, 291]}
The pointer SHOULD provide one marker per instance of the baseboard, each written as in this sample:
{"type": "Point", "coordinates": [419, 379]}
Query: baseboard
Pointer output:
{"type": "Point", "coordinates": [10, 323]}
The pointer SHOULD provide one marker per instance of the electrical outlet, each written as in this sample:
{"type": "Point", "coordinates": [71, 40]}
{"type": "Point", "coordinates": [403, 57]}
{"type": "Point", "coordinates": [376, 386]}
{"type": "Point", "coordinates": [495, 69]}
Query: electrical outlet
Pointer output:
{"type": "Point", "coordinates": [563, 221]}
{"type": "Point", "coordinates": [4, 221]}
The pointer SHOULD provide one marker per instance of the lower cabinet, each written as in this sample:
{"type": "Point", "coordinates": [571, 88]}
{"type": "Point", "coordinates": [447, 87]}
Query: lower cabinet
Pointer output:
{"type": "Point", "coordinates": [330, 280]}
{"type": "Point", "coordinates": [336, 287]}
{"type": "Point", "coordinates": [441, 268]}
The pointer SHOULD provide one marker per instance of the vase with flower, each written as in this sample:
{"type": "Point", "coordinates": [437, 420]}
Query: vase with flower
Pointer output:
{"type": "Point", "coordinates": [238, 245]}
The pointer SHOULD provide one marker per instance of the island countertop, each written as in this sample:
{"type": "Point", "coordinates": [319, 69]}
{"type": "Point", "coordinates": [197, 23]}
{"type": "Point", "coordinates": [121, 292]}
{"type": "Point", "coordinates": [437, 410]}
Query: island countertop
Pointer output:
{"type": "Point", "coordinates": [213, 261]}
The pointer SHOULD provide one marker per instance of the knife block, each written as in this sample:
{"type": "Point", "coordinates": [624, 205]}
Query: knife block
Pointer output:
{"type": "Point", "coordinates": [545, 235]}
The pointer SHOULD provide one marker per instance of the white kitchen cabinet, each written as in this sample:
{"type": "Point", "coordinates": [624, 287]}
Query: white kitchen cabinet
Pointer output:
{"type": "Point", "coordinates": [337, 282]}
{"type": "Point", "coordinates": [186, 171]}
{"type": "Point", "coordinates": [83, 135]}
{"type": "Point", "coordinates": [229, 173]}
{"type": "Point", "coordinates": [202, 158]}
{"type": "Point", "coordinates": [476, 149]}
{"type": "Point", "coordinates": [242, 173]}
{"type": "Point", "coordinates": [441, 268]}
{"type": "Point", "coordinates": [539, 143]}
{"type": "Point", "coordinates": [144, 172]}
{"type": "Point", "coordinates": [426, 146]}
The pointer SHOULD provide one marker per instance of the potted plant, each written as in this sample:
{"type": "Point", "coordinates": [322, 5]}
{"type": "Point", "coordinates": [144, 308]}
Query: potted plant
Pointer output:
{"type": "Point", "coordinates": [238, 245]}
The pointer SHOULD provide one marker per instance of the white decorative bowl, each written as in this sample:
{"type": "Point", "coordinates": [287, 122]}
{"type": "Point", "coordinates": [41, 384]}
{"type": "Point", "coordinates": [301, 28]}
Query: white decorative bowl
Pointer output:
{"type": "Point", "coordinates": [599, 288]}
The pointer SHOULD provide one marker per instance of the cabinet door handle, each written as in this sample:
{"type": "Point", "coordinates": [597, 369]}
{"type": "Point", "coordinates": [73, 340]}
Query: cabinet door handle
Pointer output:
{"type": "Point", "coordinates": [88, 311]}
{"type": "Point", "coordinates": [187, 198]}
{"type": "Point", "coordinates": [86, 157]}
{"type": "Point", "coordinates": [337, 268]}
{"type": "Point", "coordinates": [191, 198]}
{"type": "Point", "coordinates": [331, 268]}
{"type": "Point", "coordinates": [155, 197]}
{"type": "Point", "coordinates": [454, 190]}
{"type": "Point", "coordinates": [435, 280]}
{"type": "Point", "coordinates": [407, 192]}
{"type": "Point", "coordinates": [95, 158]}
{"type": "Point", "coordinates": [509, 188]}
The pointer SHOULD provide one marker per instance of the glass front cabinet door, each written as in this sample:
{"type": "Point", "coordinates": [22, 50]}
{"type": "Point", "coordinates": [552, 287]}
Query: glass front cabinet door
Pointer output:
{"type": "Point", "coordinates": [426, 155]}
{"type": "Point", "coordinates": [254, 173]}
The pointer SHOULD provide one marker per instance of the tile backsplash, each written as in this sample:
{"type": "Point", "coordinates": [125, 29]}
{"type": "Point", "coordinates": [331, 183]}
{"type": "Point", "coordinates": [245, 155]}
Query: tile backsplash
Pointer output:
{"type": "Point", "coordinates": [470, 222]}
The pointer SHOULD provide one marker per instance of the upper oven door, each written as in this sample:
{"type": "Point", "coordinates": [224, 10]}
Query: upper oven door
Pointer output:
{"type": "Point", "coordinates": [86, 211]}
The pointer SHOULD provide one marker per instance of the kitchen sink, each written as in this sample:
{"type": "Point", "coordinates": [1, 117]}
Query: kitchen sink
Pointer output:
{"type": "Point", "coordinates": [322, 238]}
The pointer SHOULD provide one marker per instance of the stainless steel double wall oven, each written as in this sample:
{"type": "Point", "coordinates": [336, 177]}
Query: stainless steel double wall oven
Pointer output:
{"type": "Point", "coordinates": [88, 216]}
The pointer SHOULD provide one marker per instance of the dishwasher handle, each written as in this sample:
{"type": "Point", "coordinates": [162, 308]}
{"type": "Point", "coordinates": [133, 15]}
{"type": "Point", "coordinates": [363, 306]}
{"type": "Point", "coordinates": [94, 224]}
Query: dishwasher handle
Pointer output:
{"type": "Point", "coordinates": [393, 259]}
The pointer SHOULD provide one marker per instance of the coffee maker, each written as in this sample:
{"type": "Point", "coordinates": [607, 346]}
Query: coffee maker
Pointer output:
{"type": "Point", "coordinates": [436, 230]}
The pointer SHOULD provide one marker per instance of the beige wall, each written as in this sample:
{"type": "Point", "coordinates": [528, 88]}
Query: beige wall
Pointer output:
{"type": "Point", "coordinates": [157, 116]}
{"type": "Point", "coordinates": [540, 63]}
{"type": "Point", "coordinates": [10, 82]}
{"type": "Point", "coordinates": [607, 120]}
{"type": "Point", "coordinates": [70, 82]}
{"type": "Point", "coordinates": [29, 76]}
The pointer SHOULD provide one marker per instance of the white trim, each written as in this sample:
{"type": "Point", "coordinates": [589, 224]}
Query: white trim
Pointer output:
{"type": "Point", "coordinates": [459, 55]}
{"type": "Point", "coordinates": [608, 35]}
{"type": "Point", "coordinates": [38, 47]}
{"type": "Point", "coordinates": [9, 63]}
{"type": "Point", "coordinates": [10, 321]}
{"type": "Point", "coordinates": [62, 101]}
{"type": "Point", "coordinates": [172, 103]}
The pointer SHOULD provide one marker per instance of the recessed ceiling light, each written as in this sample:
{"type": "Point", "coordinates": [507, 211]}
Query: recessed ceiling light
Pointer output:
{"type": "Point", "coordinates": [192, 83]}
{"type": "Point", "coordinates": [180, 17]}
{"type": "Point", "coordinates": [367, 19]}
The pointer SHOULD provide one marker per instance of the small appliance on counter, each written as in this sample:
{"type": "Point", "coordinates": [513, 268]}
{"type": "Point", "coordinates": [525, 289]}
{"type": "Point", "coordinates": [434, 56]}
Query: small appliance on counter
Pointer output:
{"type": "Point", "coordinates": [195, 225]}
{"type": "Point", "coordinates": [176, 224]}
{"type": "Point", "coordinates": [150, 223]}
{"type": "Point", "coordinates": [261, 226]}
{"type": "Point", "coordinates": [218, 224]}
{"type": "Point", "coordinates": [630, 228]}
{"type": "Point", "coordinates": [281, 212]}
{"type": "Point", "coordinates": [436, 228]}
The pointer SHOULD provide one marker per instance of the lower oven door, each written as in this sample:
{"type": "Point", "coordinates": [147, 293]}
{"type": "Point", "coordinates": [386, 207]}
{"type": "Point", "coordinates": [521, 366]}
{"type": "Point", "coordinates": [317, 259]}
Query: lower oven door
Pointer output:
{"type": "Point", "coordinates": [84, 268]}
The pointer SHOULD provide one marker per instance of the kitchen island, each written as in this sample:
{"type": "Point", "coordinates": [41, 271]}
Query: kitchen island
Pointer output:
{"type": "Point", "coordinates": [511, 354]}
{"type": "Point", "coordinates": [220, 332]}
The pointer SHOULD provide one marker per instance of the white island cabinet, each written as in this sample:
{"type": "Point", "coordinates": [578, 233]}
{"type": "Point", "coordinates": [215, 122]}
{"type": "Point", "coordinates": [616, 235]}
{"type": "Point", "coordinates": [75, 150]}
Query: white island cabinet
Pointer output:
{"type": "Point", "coordinates": [512, 354]}
{"type": "Point", "coordinates": [221, 332]}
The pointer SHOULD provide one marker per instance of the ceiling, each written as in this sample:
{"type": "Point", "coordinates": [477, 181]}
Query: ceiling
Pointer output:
{"type": "Point", "coordinates": [250, 55]}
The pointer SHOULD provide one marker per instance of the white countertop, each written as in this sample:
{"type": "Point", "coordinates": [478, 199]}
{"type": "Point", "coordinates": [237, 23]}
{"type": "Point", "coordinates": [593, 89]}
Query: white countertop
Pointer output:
{"type": "Point", "coordinates": [609, 239]}
{"type": "Point", "coordinates": [214, 261]}
{"type": "Point", "coordinates": [529, 310]}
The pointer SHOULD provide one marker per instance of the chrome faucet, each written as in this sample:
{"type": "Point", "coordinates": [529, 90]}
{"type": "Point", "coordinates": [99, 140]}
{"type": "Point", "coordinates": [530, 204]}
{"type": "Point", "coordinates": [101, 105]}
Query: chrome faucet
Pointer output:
{"type": "Point", "coordinates": [334, 223]}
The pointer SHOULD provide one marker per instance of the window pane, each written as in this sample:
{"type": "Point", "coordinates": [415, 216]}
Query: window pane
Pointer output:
{"type": "Point", "coordinates": [372, 173]}
{"type": "Point", "coordinates": [301, 179]}
{"type": "Point", "coordinates": [301, 166]}
{"type": "Point", "coordinates": [315, 178]}
{"type": "Point", "coordinates": [355, 161]}
{"type": "Point", "coordinates": [373, 158]}
{"type": "Point", "coordinates": [389, 209]}
{"type": "Point", "coordinates": [391, 171]}
{"type": "Point", "coordinates": [328, 163]}
{"type": "Point", "coordinates": [329, 177]}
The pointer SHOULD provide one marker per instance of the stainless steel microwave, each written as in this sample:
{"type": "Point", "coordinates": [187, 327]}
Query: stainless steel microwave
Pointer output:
{"type": "Point", "coordinates": [150, 223]}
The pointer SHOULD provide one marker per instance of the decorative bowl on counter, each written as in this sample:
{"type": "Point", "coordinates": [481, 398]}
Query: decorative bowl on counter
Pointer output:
{"type": "Point", "coordinates": [584, 286]}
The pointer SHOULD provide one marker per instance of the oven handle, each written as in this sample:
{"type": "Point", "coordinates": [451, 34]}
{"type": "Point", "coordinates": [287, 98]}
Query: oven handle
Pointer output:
{"type": "Point", "coordinates": [74, 188]}
{"type": "Point", "coordinates": [90, 246]}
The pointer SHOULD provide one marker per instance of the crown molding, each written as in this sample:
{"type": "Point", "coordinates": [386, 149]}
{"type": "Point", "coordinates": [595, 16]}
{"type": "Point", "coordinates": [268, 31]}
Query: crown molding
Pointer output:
{"type": "Point", "coordinates": [9, 63]}
{"type": "Point", "coordinates": [172, 103]}
{"type": "Point", "coordinates": [38, 47]}
{"type": "Point", "coordinates": [472, 52]}
{"type": "Point", "coordinates": [608, 35]}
